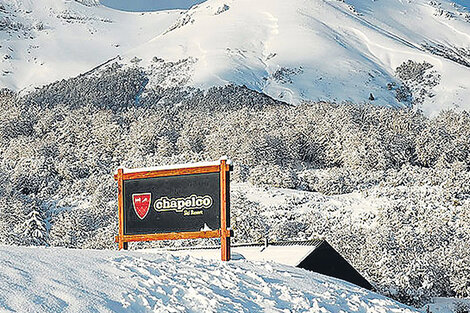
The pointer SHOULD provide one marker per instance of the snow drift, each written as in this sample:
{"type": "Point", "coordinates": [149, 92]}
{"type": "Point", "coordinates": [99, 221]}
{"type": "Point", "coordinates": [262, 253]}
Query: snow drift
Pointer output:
{"type": "Point", "coordinates": [61, 280]}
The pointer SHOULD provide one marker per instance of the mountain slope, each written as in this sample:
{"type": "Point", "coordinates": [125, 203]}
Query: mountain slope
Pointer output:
{"type": "Point", "coordinates": [321, 50]}
{"type": "Point", "coordinates": [53, 280]}
{"type": "Point", "coordinates": [297, 50]}
{"type": "Point", "coordinates": [44, 41]}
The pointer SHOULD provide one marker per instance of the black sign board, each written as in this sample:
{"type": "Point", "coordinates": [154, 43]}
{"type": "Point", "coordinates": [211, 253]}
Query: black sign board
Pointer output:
{"type": "Point", "coordinates": [172, 204]}
{"type": "Point", "coordinates": [187, 202]}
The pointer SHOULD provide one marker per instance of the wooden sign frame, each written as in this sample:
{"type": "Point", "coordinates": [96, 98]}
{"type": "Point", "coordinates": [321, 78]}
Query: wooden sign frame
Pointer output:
{"type": "Point", "coordinates": [224, 233]}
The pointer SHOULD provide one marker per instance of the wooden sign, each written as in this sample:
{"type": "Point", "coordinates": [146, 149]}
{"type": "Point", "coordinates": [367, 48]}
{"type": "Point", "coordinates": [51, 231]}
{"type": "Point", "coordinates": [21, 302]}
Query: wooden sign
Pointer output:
{"type": "Point", "coordinates": [177, 202]}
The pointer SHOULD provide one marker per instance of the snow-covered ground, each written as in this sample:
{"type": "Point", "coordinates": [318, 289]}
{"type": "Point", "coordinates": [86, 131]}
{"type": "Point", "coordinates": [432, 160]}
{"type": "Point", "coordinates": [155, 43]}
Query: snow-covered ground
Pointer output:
{"type": "Point", "coordinates": [446, 305]}
{"type": "Point", "coordinates": [64, 280]}
{"type": "Point", "coordinates": [295, 50]}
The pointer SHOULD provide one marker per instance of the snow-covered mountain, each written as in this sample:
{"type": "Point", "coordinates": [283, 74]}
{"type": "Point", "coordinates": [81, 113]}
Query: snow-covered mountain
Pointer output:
{"type": "Point", "coordinates": [291, 50]}
{"type": "Point", "coordinates": [65, 280]}
{"type": "Point", "coordinates": [44, 41]}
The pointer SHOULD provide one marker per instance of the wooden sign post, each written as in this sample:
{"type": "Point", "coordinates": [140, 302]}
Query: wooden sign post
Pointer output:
{"type": "Point", "coordinates": [177, 202]}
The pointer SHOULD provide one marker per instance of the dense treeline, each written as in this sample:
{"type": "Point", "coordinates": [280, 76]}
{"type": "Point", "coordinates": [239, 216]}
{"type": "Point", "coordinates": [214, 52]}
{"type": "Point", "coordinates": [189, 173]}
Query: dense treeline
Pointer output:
{"type": "Point", "coordinates": [60, 144]}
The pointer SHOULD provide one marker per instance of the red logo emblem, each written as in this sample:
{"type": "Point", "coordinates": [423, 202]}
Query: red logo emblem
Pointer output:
{"type": "Point", "coordinates": [141, 203]}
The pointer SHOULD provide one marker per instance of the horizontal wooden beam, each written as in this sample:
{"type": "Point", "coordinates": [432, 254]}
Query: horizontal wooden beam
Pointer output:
{"type": "Point", "coordinates": [172, 172]}
{"type": "Point", "coordinates": [174, 236]}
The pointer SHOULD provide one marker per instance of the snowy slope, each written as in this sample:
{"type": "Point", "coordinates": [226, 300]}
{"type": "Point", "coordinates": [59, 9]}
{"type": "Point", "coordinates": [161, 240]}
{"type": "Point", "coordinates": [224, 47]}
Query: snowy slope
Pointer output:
{"type": "Point", "coordinates": [44, 41]}
{"type": "Point", "coordinates": [321, 50]}
{"type": "Point", "coordinates": [61, 280]}
{"type": "Point", "coordinates": [292, 50]}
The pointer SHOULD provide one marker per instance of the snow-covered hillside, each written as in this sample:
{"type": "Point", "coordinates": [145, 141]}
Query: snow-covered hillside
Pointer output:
{"type": "Point", "coordinates": [44, 41]}
{"type": "Point", "coordinates": [316, 50]}
{"type": "Point", "coordinates": [63, 280]}
{"type": "Point", "coordinates": [321, 50]}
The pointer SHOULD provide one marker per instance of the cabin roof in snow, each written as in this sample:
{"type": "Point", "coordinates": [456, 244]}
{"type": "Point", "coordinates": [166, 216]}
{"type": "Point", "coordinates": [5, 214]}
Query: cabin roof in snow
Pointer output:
{"type": "Point", "coordinates": [288, 253]}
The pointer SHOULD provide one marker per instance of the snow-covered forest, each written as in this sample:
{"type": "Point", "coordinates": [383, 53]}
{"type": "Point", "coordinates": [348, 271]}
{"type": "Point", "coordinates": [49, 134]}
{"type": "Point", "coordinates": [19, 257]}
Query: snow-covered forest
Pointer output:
{"type": "Point", "coordinates": [60, 145]}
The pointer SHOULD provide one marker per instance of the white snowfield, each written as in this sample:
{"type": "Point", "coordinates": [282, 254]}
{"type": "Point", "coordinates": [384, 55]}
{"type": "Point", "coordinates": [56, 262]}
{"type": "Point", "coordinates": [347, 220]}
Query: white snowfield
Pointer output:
{"type": "Point", "coordinates": [63, 280]}
{"type": "Point", "coordinates": [292, 50]}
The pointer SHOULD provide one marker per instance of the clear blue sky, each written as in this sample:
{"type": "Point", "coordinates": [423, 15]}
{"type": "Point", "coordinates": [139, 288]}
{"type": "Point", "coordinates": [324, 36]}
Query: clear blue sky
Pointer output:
{"type": "Point", "coordinates": [465, 3]}
{"type": "Point", "coordinates": [157, 5]}
{"type": "Point", "coordinates": [149, 5]}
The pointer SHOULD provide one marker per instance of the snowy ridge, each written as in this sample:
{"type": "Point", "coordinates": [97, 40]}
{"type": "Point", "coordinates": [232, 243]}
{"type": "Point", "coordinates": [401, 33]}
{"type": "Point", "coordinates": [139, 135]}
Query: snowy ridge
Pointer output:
{"type": "Point", "coordinates": [55, 279]}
